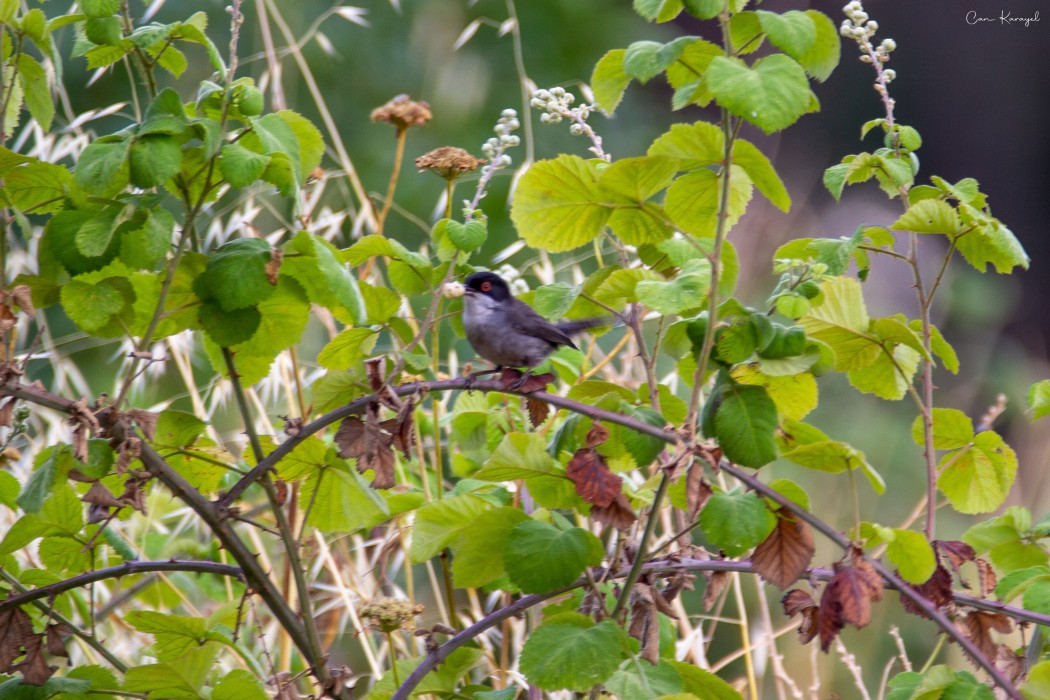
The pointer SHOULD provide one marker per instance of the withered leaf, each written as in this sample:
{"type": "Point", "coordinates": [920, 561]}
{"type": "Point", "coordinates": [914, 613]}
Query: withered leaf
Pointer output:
{"type": "Point", "coordinates": [370, 444]}
{"type": "Point", "coordinates": [273, 266]}
{"type": "Point", "coordinates": [134, 495]}
{"type": "Point", "coordinates": [16, 631]}
{"type": "Point", "coordinates": [716, 583]}
{"type": "Point", "coordinates": [80, 444]}
{"type": "Point", "coordinates": [617, 514]}
{"type": "Point", "coordinates": [293, 426]}
{"type": "Point", "coordinates": [7, 410]}
{"type": "Point", "coordinates": [697, 490]}
{"type": "Point", "coordinates": [524, 382]}
{"type": "Point", "coordinates": [596, 435]}
{"type": "Point", "coordinates": [847, 599]}
{"type": "Point", "coordinates": [986, 576]}
{"type": "Point", "coordinates": [280, 487]}
{"type": "Point", "coordinates": [146, 421]}
{"type": "Point", "coordinates": [404, 432]}
{"type": "Point", "coordinates": [538, 411]}
{"type": "Point", "coordinates": [1010, 663]}
{"type": "Point", "coordinates": [99, 495]}
{"type": "Point", "coordinates": [129, 450]}
{"type": "Point", "coordinates": [56, 635]}
{"type": "Point", "coordinates": [958, 553]}
{"type": "Point", "coordinates": [644, 624]}
{"type": "Point", "coordinates": [798, 602]}
{"type": "Point", "coordinates": [680, 581]}
{"type": "Point", "coordinates": [374, 372]}
{"type": "Point", "coordinates": [8, 320]}
{"type": "Point", "coordinates": [594, 481]}
{"type": "Point", "coordinates": [784, 556]}
{"type": "Point", "coordinates": [351, 437]}
{"type": "Point", "coordinates": [34, 668]}
{"type": "Point", "coordinates": [22, 295]}
{"type": "Point", "coordinates": [937, 590]}
{"type": "Point", "coordinates": [978, 627]}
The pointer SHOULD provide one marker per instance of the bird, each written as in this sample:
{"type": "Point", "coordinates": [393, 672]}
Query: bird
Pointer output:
{"type": "Point", "coordinates": [507, 331]}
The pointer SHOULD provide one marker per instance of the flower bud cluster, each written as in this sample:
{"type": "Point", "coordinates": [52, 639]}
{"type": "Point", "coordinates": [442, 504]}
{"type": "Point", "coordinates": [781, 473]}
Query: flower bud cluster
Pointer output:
{"type": "Point", "coordinates": [860, 28]}
{"type": "Point", "coordinates": [556, 104]}
{"type": "Point", "coordinates": [496, 147]}
{"type": "Point", "coordinates": [513, 277]}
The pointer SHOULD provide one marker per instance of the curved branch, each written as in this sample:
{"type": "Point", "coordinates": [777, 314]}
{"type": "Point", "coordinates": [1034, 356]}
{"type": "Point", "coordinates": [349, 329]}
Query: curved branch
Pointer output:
{"type": "Point", "coordinates": [125, 569]}
{"type": "Point", "coordinates": [517, 607]}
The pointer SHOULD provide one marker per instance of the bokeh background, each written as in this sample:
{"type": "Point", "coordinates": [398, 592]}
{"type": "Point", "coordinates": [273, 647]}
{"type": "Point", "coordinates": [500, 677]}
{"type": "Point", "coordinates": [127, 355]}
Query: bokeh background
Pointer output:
{"type": "Point", "coordinates": [978, 94]}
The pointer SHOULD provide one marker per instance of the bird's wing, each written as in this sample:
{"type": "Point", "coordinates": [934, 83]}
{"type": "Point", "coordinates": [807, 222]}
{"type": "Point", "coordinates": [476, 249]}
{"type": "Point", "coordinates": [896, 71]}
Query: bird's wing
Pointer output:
{"type": "Point", "coordinates": [526, 320]}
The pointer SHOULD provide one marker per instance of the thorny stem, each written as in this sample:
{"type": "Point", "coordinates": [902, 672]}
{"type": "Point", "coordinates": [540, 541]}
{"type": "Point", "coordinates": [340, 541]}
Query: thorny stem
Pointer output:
{"type": "Point", "coordinates": [264, 586]}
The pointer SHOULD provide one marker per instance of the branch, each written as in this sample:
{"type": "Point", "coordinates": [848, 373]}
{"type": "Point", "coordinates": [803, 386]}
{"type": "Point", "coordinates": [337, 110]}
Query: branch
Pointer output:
{"type": "Point", "coordinates": [125, 569]}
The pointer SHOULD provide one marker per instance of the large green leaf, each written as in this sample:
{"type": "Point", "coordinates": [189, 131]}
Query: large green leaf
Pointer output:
{"type": "Point", "coordinates": [571, 651]}
{"type": "Point", "coordinates": [558, 204]}
{"type": "Point", "coordinates": [686, 291]}
{"type": "Point", "coordinates": [438, 524]}
{"type": "Point", "coordinates": [762, 174]}
{"type": "Point", "coordinates": [478, 552]}
{"type": "Point", "coordinates": [822, 57]}
{"type": "Point", "coordinates": [978, 478]}
{"type": "Point", "coordinates": [736, 521]}
{"type": "Point", "coordinates": [772, 94]}
{"type": "Point", "coordinates": [693, 201]}
{"type": "Point", "coordinates": [841, 321]}
{"type": "Point", "coordinates": [745, 420]}
{"type": "Point", "coordinates": [793, 32]}
{"type": "Point", "coordinates": [103, 166]}
{"type": "Point", "coordinates": [519, 456]}
{"type": "Point", "coordinates": [314, 263]}
{"type": "Point", "coordinates": [609, 81]}
{"type": "Point", "coordinates": [540, 557]}
{"type": "Point", "coordinates": [236, 276]}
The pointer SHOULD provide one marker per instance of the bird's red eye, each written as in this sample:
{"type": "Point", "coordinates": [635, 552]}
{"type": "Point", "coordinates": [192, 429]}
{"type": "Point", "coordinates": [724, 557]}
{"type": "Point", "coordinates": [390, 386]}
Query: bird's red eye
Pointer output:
{"type": "Point", "coordinates": [486, 287]}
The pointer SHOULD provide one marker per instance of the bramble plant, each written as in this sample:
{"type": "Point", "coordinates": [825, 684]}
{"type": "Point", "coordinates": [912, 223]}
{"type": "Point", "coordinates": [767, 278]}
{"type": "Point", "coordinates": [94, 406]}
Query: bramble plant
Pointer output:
{"type": "Point", "coordinates": [410, 532]}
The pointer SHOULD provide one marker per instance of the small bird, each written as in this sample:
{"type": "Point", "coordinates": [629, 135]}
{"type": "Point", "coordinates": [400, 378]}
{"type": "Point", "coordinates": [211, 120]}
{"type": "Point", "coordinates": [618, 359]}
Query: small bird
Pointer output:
{"type": "Point", "coordinates": [509, 332]}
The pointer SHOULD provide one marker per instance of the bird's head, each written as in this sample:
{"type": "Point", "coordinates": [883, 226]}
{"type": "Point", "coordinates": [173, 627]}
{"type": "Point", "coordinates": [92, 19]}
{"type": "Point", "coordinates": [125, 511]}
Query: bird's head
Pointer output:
{"type": "Point", "coordinates": [487, 284]}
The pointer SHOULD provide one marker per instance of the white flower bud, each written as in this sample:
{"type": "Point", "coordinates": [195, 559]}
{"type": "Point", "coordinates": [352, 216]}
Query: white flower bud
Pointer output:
{"type": "Point", "coordinates": [453, 290]}
{"type": "Point", "coordinates": [542, 95]}
{"type": "Point", "coordinates": [888, 45]}
{"type": "Point", "coordinates": [889, 74]}
{"type": "Point", "coordinates": [558, 92]}
{"type": "Point", "coordinates": [576, 130]}
{"type": "Point", "coordinates": [545, 118]}
{"type": "Point", "coordinates": [873, 26]}
{"type": "Point", "coordinates": [508, 114]}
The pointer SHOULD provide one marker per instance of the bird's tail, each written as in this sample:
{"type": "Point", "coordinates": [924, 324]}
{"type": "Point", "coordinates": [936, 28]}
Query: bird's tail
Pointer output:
{"type": "Point", "coordinates": [583, 324]}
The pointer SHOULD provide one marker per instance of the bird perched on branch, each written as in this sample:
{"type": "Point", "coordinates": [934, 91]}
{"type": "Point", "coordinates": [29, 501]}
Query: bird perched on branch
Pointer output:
{"type": "Point", "coordinates": [507, 331]}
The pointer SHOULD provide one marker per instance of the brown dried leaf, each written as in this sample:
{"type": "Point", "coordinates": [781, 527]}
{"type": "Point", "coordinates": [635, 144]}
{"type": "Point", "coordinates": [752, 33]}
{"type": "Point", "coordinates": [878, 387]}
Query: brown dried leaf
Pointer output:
{"type": "Point", "coordinates": [986, 576]}
{"type": "Point", "coordinates": [785, 555]}
{"type": "Point", "coordinates": [128, 450]}
{"type": "Point", "coordinates": [56, 634]}
{"type": "Point", "coordinates": [34, 668]}
{"type": "Point", "coordinates": [80, 444]}
{"type": "Point", "coordinates": [697, 490]}
{"type": "Point", "coordinates": [978, 627]}
{"type": "Point", "coordinates": [1010, 663]}
{"type": "Point", "coordinates": [374, 372]}
{"type": "Point", "coordinates": [273, 266]}
{"type": "Point", "coordinates": [134, 495]}
{"type": "Point", "coordinates": [937, 590]}
{"type": "Point", "coordinates": [351, 437]}
{"type": "Point", "coordinates": [404, 428]}
{"type": "Point", "coordinates": [99, 495]}
{"type": "Point", "coordinates": [958, 553]}
{"type": "Point", "coordinates": [293, 426]}
{"type": "Point", "coordinates": [680, 581]}
{"type": "Point", "coordinates": [596, 435]}
{"type": "Point", "coordinates": [8, 320]}
{"type": "Point", "coordinates": [645, 626]}
{"type": "Point", "coordinates": [798, 602]}
{"type": "Point", "coordinates": [22, 295]}
{"type": "Point", "coordinates": [538, 411]}
{"type": "Point", "coordinates": [617, 514]}
{"type": "Point", "coordinates": [146, 421]}
{"type": "Point", "coordinates": [847, 599]}
{"type": "Point", "coordinates": [370, 444]}
{"type": "Point", "coordinates": [716, 583]}
{"type": "Point", "coordinates": [280, 487]}
{"type": "Point", "coordinates": [7, 410]}
{"type": "Point", "coordinates": [594, 481]}
{"type": "Point", "coordinates": [16, 631]}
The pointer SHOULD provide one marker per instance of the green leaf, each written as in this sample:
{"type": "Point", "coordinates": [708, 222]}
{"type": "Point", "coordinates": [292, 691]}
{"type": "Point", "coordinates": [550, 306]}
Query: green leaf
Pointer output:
{"type": "Point", "coordinates": [609, 81]}
{"type": "Point", "coordinates": [103, 166]}
{"type": "Point", "coordinates": [734, 522]}
{"type": "Point", "coordinates": [693, 200]}
{"type": "Point", "coordinates": [173, 635]}
{"type": "Point", "coordinates": [343, 501]}
{"type": "Point", "coordinates": [795, 395]}
{"type": "Point", "coordinates": [347, 349]}
{"type": "Point", "coordinates": [309, 141]}
{"type": "Point", "coordinates": [762, 173]}
{"type": "Point", "coordinates": [519, 456]}
{"type": "Point", "coordinates": [684, 74]}
{"type": "Point", "coordinates": [978, 479]}
{"type": "Point", "coordinates": [314, 263]}
{"type": "Point", "coordinates": [704, 684]}
{"type": "Point", "coordinates": [228, 328]}
{"type": "Point", "coordinates": [239, 684]}
{"type": "Point", "coordinates": [100, 8]}
{"type": "Point", "coordinates": [693, 145]}
{"type": "Point", "coordinates": [772, 94]}
{"type": "Point", "coordinates": [153, 160]}
{"type": "Point", "coordinates": [635, 679]}
{"type": "Point", "coordinates": [178, 429]}
{"type": "Point", "coordinates": [929, 216]}
{"type": "Point", "coordinates": [478, 551]}
{"type": "Point", "coordinates": [557, 205]}
{"type": "Point", "coordinates": [1008, 539]}
{"type": "Point", "coordinates": [809, 447]}
{"type": "Point", "coordinates": [644, 60]}
{"type": "Point", "coordinates": [165, 115]}
{"type": "Point", "coordinates": [993, 244]}
{"type": "Point", "coordinates": [183, 679]}
{"type": "Point", "coordinates": [241, 167]}
{"type": "Point", "coordinates": [658, 10]}
{"type": "Point", "coordinates": [467, 237]}
{"type": "Point", "coordinates": [952, 429]}
{"type": "Point", "coordinates": [823, 56]}
{"type": "Point", "coordinates": [540, 557]}
{"type": "Point", "coordinates": [1039, 399]}
{"type": "Point", "coordinates": [841, 321]}
{"type": "Point", "coordinates": [686, 291]}
{"type": "Point", "coordinates": [744, 424]}
{"type": "Point", "coordinates": [92, 306]}
{"type": "Point", "coordinates": [912, 554]}
{"type": "Point", "coordinates": [236, 275]}
{"type": "Point", "coordinates": [571, 651]}
{"type": "Point", "coordinates": [37, 91]}
{"type": "Point", "coordinates": [94, 236]}
{"type": "Point", "coordinates": [552, 301]}
{"type": "Point", "coordinates": [835, 179]}
{"type": "Point", "coordinates": [793, 32]}
{"type": "Point", "coordinates": [889, 375]}
{"type": "Point", "coordinates": [1037, 685]}
{"type": "Point", "coordinates": [940, 347]}
{"type": "Point", "coordinates": [438, 524]}
{"type": "Point", "coordinates": [704, 9]}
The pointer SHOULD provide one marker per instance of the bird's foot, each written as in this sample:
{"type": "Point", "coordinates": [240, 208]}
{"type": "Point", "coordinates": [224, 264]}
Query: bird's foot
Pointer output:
{"type": "Point", "coordinates": [525, 382]}
{"type": "Point", "coordinates": [473, 376]}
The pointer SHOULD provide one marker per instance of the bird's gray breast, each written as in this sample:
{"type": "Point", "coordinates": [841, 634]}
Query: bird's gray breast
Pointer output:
{"type": "Point", "coordinates": [496, 339]}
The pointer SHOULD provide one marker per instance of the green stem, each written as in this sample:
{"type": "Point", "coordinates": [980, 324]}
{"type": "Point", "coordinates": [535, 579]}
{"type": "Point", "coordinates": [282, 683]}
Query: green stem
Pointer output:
{"type": "Point", "coordinates": [639, 558]}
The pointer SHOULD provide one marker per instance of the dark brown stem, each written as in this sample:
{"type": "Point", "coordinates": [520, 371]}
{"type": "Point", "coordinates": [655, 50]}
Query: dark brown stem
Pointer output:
{"type": "Point", "coordinates": [125, 569]}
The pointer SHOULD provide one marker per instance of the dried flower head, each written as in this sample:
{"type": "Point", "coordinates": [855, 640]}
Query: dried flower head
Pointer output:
{"type": "Point", "coordinates": [391, 614]}
{"type": "Point", "coordinates": [448, 162]}
{"type": "Point", "coordinates": [403, 112]}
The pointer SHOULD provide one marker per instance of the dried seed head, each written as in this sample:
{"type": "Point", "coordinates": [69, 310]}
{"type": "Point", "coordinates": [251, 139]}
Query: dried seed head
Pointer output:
{"type": "Point", "coordinates": [448, 162]}
{"type": "Point", "coordinates": [403, 112]}
{"type": "Point", "coordinates": [391, 614]}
